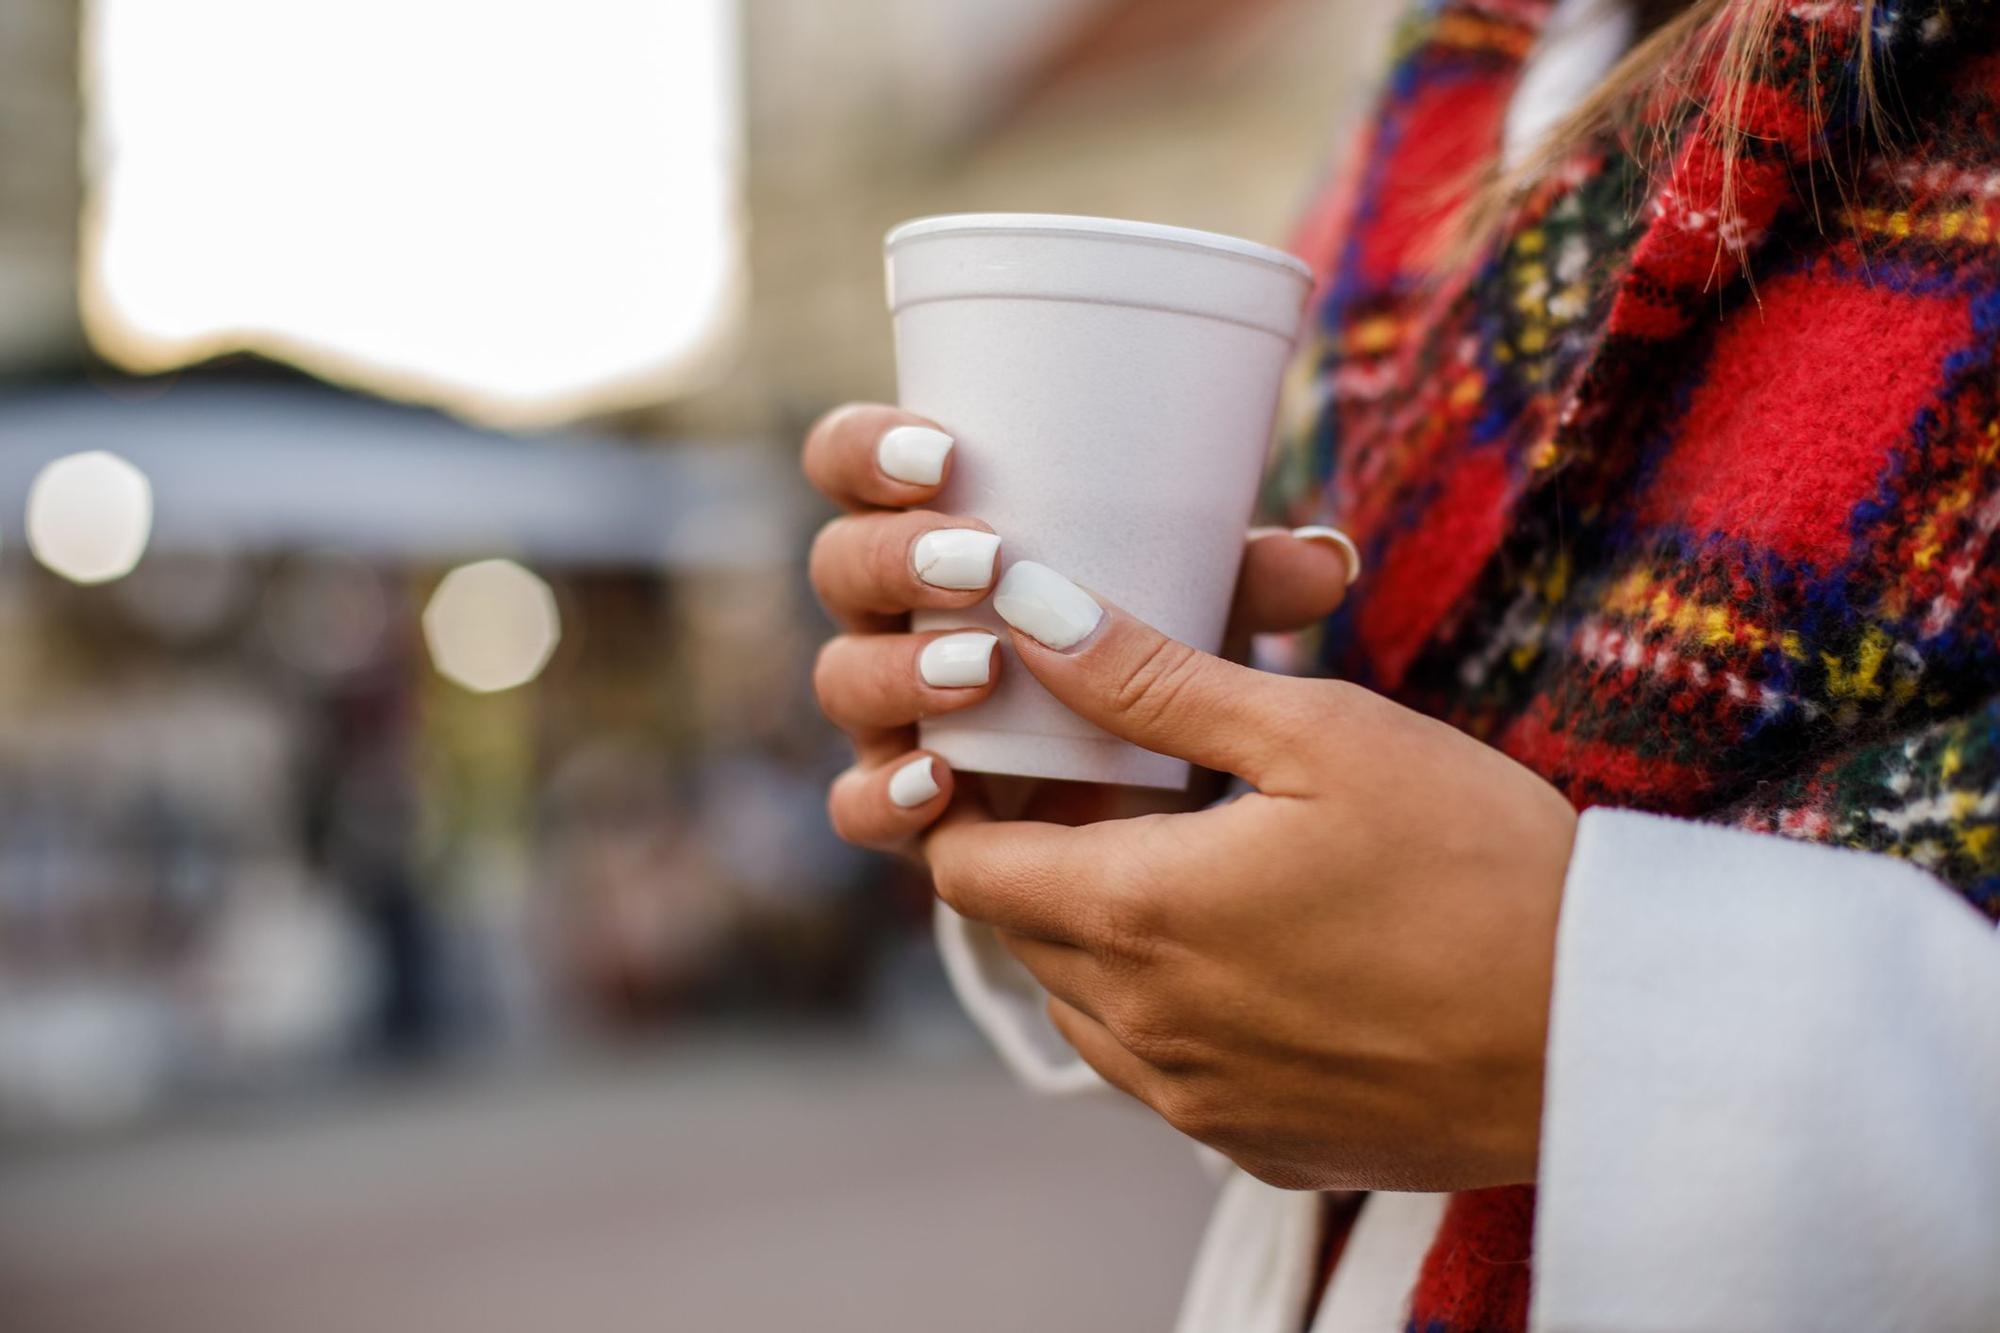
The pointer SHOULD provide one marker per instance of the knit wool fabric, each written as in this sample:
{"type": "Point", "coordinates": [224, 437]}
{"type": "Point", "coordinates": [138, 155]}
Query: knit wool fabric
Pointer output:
{"type": "Point", "coordinates": [1688, 507]}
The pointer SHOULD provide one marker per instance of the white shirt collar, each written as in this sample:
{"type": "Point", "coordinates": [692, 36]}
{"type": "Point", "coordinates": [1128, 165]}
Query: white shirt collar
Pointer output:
{"type": "Point", "coordinates": [1581, 43]}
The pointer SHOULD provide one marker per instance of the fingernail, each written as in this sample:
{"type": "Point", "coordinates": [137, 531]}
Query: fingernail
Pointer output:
{"type": "Point", "coordinates": [1045, 606]}
{"type": "Point", "coordinates": [914, 454]}
{"type": "Point", "coordinates": [1335, 537]}
{"type": "Point", "coordinates": [958, 661]}
{"type": "Point", "coordinates": [913, 784]}
{"type": "Point", "coordinates": [957, 558]}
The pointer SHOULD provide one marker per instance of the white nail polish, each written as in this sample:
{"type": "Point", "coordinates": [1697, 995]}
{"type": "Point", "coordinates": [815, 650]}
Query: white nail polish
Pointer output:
{"type": "Point", "coordinates": [958, 661]}
{"type": "Point", "coordinates": [914, 454]}
{"type": "Point", "coordinates": [1045, 606]}
{"type": "Point", "coordinates": [957, 558]}
{"type": "Point", "coordinates": [1334, 537]}
{"type": "Point", "coordinates": [913, 784]}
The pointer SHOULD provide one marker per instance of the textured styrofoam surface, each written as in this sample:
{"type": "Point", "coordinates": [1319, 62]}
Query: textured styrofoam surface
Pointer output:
{"type": "Point", "coordinates": [1121, 445]}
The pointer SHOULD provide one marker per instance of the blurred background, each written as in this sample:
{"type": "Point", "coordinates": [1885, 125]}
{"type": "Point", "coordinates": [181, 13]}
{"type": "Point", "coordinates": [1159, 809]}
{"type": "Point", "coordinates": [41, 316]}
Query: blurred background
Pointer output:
{"type": "Point", "coordinates": [416, 905]}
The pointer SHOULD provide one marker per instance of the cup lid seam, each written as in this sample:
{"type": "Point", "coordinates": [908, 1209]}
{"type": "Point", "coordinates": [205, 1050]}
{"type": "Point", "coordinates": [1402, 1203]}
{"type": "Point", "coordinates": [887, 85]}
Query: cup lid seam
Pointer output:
{"type": "Point", "coordinates": [1105, 229]}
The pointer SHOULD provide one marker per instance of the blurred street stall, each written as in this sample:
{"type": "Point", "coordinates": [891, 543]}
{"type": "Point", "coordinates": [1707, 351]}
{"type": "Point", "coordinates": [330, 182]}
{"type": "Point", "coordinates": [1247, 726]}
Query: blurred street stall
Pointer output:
{"type": "Point", "coordinates": [268, 817]}
{"type": "Point", "coordinates": [258, 469]}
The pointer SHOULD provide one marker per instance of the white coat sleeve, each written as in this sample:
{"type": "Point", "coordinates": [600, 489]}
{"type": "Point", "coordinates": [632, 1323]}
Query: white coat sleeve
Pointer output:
{"type": "Point", "coordinates": [1007, 1005]}
{"type": "Point", "coordinates": [1773, 1090]}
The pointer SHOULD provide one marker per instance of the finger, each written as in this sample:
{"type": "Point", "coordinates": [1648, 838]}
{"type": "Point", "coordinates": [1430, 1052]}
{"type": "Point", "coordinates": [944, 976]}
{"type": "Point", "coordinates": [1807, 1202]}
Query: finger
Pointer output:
{"type": "Point", "coordinates": [866, 455]}
{"type": "Point", "coordinates": [870, 568]}
{"type": "Point", "coordinates": [1028, 878]}
{"type": "Point", "coordinates": [871, 682]}
{"type": "Point", "coordinates": [887, 805]}
{"type": "Point", "coordinates": [1101, 1051]}
{"type": "Point", "coordinates": [1141, 686]}
{"type": "Point", "coordinates": [1065, 971]}
{"type": "Point", "coordinates": [1292, 579]}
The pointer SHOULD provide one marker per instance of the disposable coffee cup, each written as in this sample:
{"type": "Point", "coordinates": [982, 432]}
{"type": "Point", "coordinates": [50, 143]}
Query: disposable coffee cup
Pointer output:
{"type": "Point", "coordinates": [1111, 387]}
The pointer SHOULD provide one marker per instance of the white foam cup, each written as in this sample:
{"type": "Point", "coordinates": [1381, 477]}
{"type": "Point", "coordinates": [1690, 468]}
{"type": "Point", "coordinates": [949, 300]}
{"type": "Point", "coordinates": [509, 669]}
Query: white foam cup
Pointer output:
{"type": "Point", "coordinates": [1111, 387]}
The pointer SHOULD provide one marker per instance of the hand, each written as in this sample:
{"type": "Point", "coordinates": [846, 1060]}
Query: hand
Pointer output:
{"type": "Point", "coordinates": [1341, 980]}
{"type": "Point", "coordinates": [887, 557]}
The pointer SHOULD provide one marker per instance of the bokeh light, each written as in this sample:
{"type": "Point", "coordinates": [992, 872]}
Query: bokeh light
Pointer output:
{"type": "Point", "coordinates": [90, 516]}
{"type": "Point", "coordinates": [491, 626]}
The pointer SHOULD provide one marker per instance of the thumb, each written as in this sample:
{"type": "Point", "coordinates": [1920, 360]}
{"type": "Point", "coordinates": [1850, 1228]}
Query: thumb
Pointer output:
{"type": "Point", "coordinates": [1140, 685]}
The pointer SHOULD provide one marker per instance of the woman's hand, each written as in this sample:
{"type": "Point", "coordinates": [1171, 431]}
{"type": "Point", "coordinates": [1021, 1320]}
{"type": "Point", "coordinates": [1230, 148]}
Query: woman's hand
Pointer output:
{"type": "Point", "coordinates": [1341, 980]}
{"type": "Point", "coordinates": [888, 556]}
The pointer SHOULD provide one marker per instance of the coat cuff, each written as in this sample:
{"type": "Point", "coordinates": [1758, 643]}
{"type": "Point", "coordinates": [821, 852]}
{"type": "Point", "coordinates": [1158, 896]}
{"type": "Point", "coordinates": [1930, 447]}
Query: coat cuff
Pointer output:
{"type": "Point", "coordinates": [1009, 1007]}
{"type": "Point", "coordinates": [1773, 1090]}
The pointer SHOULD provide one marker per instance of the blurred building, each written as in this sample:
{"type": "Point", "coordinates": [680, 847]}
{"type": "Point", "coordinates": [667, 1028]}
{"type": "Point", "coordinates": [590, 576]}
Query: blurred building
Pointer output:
{"type": "Point", "coordinates": [1219, 114]}
{"type": "Point", "coordinates": [41, 186]}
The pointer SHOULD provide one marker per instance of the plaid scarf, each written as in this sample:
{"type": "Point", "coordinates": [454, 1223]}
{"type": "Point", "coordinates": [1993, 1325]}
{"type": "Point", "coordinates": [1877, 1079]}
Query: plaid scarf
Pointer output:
{"type": "Point", "coordinates": [1690, 510]}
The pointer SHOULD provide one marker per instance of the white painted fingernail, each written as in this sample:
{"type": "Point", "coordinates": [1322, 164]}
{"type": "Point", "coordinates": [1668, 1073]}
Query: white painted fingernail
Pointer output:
{"type": "Point", "coordinates": [913, 784]}
{"type": "Point", "coordinates": [914, 454]}
{"type": "Point", "coordinates": [1045, 606]}
{"type": "Point", "coordinates": [957, 558]}
{"type": "Point", "coordinates": [1335, 537]}
{"type": "Point", "coordinates": [958, 661]}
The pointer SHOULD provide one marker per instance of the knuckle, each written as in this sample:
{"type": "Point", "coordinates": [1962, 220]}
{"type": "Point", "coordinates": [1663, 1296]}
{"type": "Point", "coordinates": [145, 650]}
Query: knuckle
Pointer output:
{"type": "Point", "coordinates": [1147, 689]}
{"type": "Point", "coordinates": [1270, 1171]}
{"type": "Point", "coordinates": [1128, 922]}
{"type": "Point", "coordinates": [821, 558]}
{"type": "Point", "coordinates": [1133, 917]}
{"type": "Point", "coordinates": [948, 875]}
{"type": "Point", "coordinates": [1191, 1111]}
{"type": "Point", "coordinates": [840, 816]}
{"type": "Point", "coordinates": [1171, 1044]}
{"type": "Point", "coordinates": [1146, 1032]}
{"type": "Point", "coordinates": [831, 425]}
{"type": "Point", "coordinates": [949, 886]}
{"type": "Point", "coordinates": [1278, 1173]}
{"type": "Point", "coordinates": [826, 669]}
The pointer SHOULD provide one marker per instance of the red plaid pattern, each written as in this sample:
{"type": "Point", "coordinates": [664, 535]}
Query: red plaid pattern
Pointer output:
{"type": "Point", "coordinates": [1690, 508]}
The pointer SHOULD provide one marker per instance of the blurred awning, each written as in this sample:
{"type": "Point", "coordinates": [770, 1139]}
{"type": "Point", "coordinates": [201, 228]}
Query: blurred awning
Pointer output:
{"type": "Point", "coordinates": [259, 467]}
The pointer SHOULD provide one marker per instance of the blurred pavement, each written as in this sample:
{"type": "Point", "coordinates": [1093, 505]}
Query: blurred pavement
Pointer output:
{"type": "Point", "coordinates": [741, 1186]}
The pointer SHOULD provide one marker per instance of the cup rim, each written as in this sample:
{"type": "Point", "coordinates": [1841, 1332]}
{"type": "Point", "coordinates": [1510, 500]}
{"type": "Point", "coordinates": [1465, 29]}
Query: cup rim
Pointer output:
{"type": "Point", "coordinates": [1065, 224]}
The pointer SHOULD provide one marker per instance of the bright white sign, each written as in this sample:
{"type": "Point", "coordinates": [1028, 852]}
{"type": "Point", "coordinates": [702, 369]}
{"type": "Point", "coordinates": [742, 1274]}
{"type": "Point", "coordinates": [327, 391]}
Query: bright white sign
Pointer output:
{"type": "Point", "coordinates": [519, 209]}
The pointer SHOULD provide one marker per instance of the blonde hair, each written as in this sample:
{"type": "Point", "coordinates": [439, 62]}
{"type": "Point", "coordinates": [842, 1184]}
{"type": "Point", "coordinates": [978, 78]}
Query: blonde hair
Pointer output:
{"type": "Point", "coordinates": [1696, 55]}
